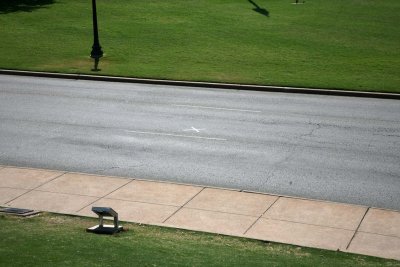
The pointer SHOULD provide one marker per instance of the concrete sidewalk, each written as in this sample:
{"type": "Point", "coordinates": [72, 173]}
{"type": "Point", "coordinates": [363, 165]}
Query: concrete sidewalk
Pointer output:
{"type": "Point", "coordinates": [303, 222]}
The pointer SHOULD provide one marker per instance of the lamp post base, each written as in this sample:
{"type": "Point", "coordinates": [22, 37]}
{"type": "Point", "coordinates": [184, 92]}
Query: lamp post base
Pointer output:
{"type": "Point", "coordinates": [96, 64]}
{"type": "Point", "coordinates": [96, 52]}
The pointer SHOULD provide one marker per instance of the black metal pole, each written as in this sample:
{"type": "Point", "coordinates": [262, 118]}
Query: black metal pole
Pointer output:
{"type": "Point", "coordinates": [96, 48]}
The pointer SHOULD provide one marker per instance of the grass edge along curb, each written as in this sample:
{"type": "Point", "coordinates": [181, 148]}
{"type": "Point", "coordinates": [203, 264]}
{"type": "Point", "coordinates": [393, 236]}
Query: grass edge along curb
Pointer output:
{"type": "Point", "coordinates": [140, 242]}
{"type": "Point", "coordinates": [264, 88]}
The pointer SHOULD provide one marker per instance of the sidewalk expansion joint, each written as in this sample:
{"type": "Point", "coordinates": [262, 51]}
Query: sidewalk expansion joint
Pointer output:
{"type": "Point", "coordinates": [63, 193]}
{"type": "Point", "coordinates": [311, 224]}
{"type": "Point", "coordinates": [106, 195]}
{"type": "Point", "coordinates": [183, 205]}
{"type": "Point", "coordinates": [34, 189]}
{"type": "Point", "coordinates": [372, 233]}
{"type": "Point", "coordinates": [245, 232]}
{"type": "Point", "coordinates": [138, 201]}
{"type": "Point", "coordinates": [224, 212]}
{"type": "Point", "coordinates": [358, 227]}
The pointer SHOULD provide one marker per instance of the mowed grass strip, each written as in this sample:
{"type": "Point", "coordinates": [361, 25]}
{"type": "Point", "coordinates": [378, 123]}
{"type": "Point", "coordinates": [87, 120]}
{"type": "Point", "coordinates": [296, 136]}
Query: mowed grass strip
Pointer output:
{"type": "Point", "coordinates": [342, 44]}
{"type": "Point", "coordinates": [58, 240]}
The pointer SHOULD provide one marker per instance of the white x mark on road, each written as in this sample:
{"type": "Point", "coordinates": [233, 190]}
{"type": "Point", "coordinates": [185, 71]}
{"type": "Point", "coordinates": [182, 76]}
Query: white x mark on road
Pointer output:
{"type": "Point", "coordinates": [193, 129]}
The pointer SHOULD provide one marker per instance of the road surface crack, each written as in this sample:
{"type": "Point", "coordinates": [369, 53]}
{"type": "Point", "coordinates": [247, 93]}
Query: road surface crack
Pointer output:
{"type": "Point", "coordinates": [99, 171]}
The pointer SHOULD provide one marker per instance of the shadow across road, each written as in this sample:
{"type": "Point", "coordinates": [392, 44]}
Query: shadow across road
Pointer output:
{"type": "Point", "coordinates": [9, 6]}
{"type": "Point", "coordinates": [258, 9]}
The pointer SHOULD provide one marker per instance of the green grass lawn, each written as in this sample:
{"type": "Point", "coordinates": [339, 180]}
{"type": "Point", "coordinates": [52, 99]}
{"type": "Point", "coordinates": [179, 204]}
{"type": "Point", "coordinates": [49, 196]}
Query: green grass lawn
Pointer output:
{"type": "Point", "coordinates": [57, 240]}
{"type": "Point", "coordinates": [344, 44]}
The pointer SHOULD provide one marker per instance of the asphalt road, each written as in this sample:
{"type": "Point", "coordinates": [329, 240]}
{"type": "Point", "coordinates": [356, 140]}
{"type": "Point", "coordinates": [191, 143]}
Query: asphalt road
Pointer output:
{"type": "Point", "coordinates": [341, 149]}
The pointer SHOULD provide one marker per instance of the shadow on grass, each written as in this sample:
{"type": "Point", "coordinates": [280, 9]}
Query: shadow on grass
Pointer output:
{"type": "Point", "coordinates": [8, 6]}
{"type": "Point", "coordinates": [258, 9]}
{"type": "Point", "coordinates": [96, 65]}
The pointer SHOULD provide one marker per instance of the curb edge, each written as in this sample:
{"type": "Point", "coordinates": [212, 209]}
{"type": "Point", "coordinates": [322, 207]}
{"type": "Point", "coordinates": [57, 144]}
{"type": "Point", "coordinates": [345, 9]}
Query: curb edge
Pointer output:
{"type": "Point", "coordinates": [264, 88]}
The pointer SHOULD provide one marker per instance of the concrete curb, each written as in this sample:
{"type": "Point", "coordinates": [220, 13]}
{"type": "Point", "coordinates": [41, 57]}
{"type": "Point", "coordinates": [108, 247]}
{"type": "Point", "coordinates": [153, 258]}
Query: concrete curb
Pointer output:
{"type": "Point", "coordinates": [195, 185]}
{"type": "Point", "coordinates": [263, 88]}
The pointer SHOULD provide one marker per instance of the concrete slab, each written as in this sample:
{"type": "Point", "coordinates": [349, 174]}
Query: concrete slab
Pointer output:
{"type": "Point", "coordinates": [133, 211]}
{"type": "Point", "coordinates": [300, 234]}
{"type": "Point", "coordinates": [384, 222]}
{"type": "Point", "coordinates": [376, 245]}
{"type": "Point", "coordinates": [7, 194]}
{"type": "Point", "coordinates": [52, 202]}
{"type": "Point", "coordinates": [156, 193]}
{"type": "Point", "coordinates": [25, 178]}
{"type": "Point", "coordinates": [301, 222]}
{"type": "Point", "coordinates": [87, 185]}
{"type": "Point", "coordinates": [232, 202]}
{"type": "Point", "coordinates": [317, 213]}
{"type": "Point", "coordinates": [211, 221]}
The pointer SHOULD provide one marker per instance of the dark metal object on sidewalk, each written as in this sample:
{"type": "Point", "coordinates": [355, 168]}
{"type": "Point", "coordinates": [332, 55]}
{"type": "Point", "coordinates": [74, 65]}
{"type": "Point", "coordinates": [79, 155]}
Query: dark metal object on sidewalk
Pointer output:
{"type": "Point", "coordinates": [19, 212]}
{"type": "Point", "coordinates": [104, 228]}
{"type": "Point", "coordinates": [16, 210]}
